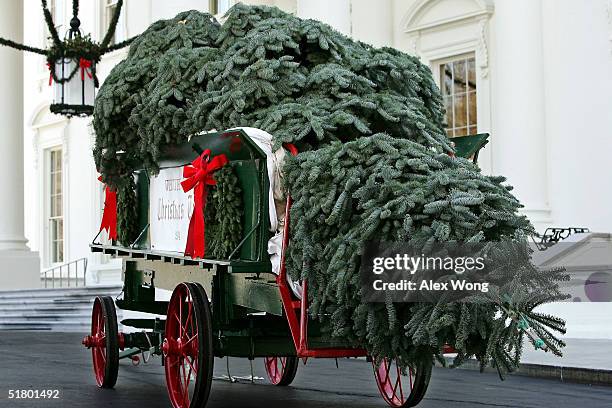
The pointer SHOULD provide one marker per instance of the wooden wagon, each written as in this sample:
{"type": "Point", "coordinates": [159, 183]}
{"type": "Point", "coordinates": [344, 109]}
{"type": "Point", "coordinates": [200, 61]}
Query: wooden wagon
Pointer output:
{"type": "Point", "coordinates": [233, 307]}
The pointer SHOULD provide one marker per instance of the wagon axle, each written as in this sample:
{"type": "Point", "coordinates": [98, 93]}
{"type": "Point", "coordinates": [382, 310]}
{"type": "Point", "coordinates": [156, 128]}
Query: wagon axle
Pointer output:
{"type": "Point", "coordinates": [99, 340]}
{"type": "Point", "coordinates": [180, 347]}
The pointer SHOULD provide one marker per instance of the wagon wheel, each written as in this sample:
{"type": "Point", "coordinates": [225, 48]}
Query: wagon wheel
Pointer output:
{"type": "Point", "coordinates": [104, 342]}
{"type": "Point", "coordinates": [187, 348]}
{"type": "Point", "coordinates": [399, 389]}
{"type": "Point", "coordinates": [281, 370]}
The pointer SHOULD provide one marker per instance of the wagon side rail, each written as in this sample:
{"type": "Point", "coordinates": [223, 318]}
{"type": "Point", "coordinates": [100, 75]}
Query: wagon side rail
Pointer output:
{"type": "Point", "coordinates": [297, 310]}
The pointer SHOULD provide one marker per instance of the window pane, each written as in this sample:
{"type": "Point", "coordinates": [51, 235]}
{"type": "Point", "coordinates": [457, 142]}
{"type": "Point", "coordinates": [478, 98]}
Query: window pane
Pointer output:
{"type": "Point", "coordinates": [459, 76]}
{"type": "Point", "coordinates": [446, 79]}
{"type": "Point", "coordinates": [473, 113]}
{"type": "Point", "coordinates": [462, 131]}
{"type": "Point", "coordinates": [58, 206]}
{"type": "Point", "coordinates": [57, 184]}
{"type": "Point", "coordinates": [471, 74]}
{"type": "Point", "coordinates": [448, 105]}
{"type": "Point", "coordinates": [460, 105]}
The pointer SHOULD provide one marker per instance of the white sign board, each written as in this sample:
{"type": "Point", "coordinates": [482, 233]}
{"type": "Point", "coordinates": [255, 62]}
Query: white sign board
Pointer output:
{"type": "Point", "coordinates": [170, 211]}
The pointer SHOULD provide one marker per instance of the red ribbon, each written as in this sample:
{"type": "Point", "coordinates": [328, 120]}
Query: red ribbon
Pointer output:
{"type": "Point", "coordinates": [198, 175]}
{"type": "Point", "coordinates": [85, 64]}
{"type": "Point", "coordinates": [50, 74]}
{"type": "Point", "coordinates": [109, 218]}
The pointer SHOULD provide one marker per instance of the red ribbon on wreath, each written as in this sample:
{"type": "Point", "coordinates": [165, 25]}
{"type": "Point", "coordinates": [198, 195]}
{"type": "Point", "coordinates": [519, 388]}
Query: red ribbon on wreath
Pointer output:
{"type": "Point", "coordinates": [85, 65]}
{"type": "Point", "coordinates": [198, 175]}
{"type": "Point", "coordinates": [109, 217]}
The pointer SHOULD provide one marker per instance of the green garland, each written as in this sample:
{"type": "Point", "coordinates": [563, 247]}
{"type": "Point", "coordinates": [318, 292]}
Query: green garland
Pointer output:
{"type": "Point", "coordinates": [127, 211]}
{"type": "Point", "coordinates": [223, 214]}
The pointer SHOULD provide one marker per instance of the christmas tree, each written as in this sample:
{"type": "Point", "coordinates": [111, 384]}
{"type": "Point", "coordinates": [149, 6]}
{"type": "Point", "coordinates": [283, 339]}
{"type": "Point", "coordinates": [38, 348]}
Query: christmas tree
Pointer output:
{"type": "Point", "coordinates": [375, 163]}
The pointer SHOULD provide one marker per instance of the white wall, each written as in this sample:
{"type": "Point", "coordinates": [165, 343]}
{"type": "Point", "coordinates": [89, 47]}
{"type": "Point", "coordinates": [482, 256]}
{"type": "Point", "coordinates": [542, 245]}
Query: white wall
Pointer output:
{"type": "Point", "coordinates": [578, 86]}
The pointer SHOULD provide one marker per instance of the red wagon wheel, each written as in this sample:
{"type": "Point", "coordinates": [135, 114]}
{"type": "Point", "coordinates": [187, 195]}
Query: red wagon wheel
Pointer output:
{"type": "Point", "coordinates": [187, 348]}
{"type": "Point", "coordinates": [399, 388]}
{"type": "Point", "coordinates": [104, 342]}
{"type": "Point", "coordinates": [281, 370]}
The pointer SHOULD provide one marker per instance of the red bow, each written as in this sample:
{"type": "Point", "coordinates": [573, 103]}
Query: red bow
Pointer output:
{"type": "Point", "coordinates": [198, 175]}
{"type": "Point", "coordinates": [85, 64]}
{"type": "Point", "coordinates": [109, 218]}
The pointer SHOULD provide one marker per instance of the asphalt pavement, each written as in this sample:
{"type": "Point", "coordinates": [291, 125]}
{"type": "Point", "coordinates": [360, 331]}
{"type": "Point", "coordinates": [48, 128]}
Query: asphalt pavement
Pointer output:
{"type": "Point", "coordinates": [50, 360]}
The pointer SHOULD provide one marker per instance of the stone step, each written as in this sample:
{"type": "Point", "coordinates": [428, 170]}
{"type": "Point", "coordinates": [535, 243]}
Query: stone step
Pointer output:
{"type": "Point", "coordinates": [60, 309]}
{"type": "Point", "coordinates": [59, 292]}
{"type": "Point", "coordinates": [45, 308]}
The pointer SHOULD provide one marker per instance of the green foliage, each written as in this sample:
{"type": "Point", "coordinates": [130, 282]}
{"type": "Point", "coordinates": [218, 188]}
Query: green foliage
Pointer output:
{"type": "Point", "coordinates": [380, 188]}
{"type": "Point", "coordinates": [374, 163]}
{"type": "Point", "coordinates": [298, 79]}
{"type": "Point", "coordinates": [223, 214]}
{"type": "Point", "coordinates": [127, 211]}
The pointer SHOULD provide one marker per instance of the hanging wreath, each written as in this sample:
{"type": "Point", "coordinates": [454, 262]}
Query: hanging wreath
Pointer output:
{"type": "Point", "coordinates": [223, 214]}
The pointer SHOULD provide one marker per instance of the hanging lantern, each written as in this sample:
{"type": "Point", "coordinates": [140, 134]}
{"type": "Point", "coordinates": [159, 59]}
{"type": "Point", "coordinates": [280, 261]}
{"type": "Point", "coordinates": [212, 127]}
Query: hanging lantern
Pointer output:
{"type": "Point", "coordinates": [73, 73]}
{"type": "Point", "coordinates": [72, 62]}
{"type": "Point", "coordinates": [74, 92]}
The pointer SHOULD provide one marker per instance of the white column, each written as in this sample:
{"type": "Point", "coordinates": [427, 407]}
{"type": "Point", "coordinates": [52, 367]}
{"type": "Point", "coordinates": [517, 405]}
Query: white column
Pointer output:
{"type": "Point", "coordinates": [519, 138]}
{"type": "Point", "coordinates": [336, 13]}
{"type": "Point", "coordinates": [19, 267]}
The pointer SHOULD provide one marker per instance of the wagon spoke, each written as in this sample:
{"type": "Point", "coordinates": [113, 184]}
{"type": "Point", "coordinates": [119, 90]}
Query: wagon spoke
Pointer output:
{"type": "Point", "coordinates": [410, 376]}
{"type": "Point", "coordinates": [188, 321]}
{"type": "Point", "coordinates": [183, 382]}
{"type": "Point", "coordinates": [276, 367]}
{"type": "Point", "coordinates": [386, 363]}
{"type": "Point", "coordinates": [180, 316]}
{"type": "Point", "coordinates": [191, 367]}
{"type": "Point", "coordinates": [187, 381]}
{"type": "Point", "coordinates": [191, 338]}
{"type": "Point", "coordinates": [400, 383]}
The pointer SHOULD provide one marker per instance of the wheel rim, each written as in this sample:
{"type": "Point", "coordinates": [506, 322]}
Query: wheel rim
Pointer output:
{"type": "Point", "coordinates": [394, 387]}
{"type": "Point", "coordinates": [181, 348]}
{"type": "Point", "coordinates": [275, 367]}
{"type": "Point", "coordinates": [98, 334]}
